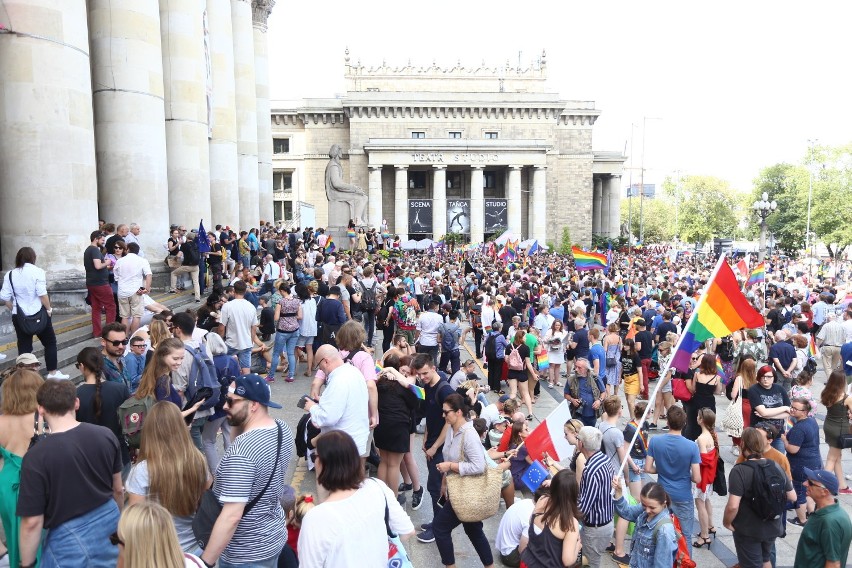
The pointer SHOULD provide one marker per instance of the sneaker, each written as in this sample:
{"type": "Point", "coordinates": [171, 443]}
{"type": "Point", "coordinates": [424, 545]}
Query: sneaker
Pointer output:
{"type": "Point", "coordinates": [58, 375]}
{"type": "Point", "coordinates": [426, 536]}
{"type": "Point", "coordinates": [621, 559]}
{"type": "Point", "coordinates": [845, 491]}
{"type": "Point", "coordinates": [796, 521]}
{"type": "Point", "coordinates": [652, 426]}
{"type": "Point", "coordinates": [289, 380]}
{"type": "Point", "coordinates": [426, 526]}
{"type": "Point", "coordinates": [402, 499]}
{"type": "Point", "coordinates": [270, 378]}
{"type": "Point", "coordinates": [405, 487]}
{"type": "Point", "coordinates": [2, 356]}
{"type": "Point", "coordinates": [417, 499]}
{"type": "Point", "coordinates": [664, 427]}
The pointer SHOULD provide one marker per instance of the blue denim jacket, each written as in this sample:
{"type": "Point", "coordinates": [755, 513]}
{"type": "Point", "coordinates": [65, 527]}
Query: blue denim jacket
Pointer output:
{"type": "Point", "coordinates": [133, 366]}
{"type": "Point", "coordinates": [644, 552]}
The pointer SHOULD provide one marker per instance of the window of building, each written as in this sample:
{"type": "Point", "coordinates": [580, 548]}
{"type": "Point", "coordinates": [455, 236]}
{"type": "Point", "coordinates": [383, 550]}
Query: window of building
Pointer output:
{"type": "Point", "coordinates": [416, 180]}
{"type": "Point", "coordinates": [282, 181]}
{"type": "Point", "coordinates": [454, 180]}
{"type": "Point", "coordinates": [489, 180]}
{"type": "Point", "coordinates": [455, 134]}
{"type": "Point", "coordinates": [491, 135]}
{"type": "Point", "coordinates": [277, 208]}
{"type": "Point", "coordinates": [288, 210]}
{"type": "Point", "coordinates": [281, 145]}
{"type": "Point", "coordinates": [418, 135]}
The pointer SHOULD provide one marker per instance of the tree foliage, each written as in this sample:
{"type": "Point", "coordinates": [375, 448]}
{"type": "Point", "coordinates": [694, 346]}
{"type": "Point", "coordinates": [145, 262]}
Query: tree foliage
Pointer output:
{"type": "Point", "coordinates": [658, 214]}
{"type": "Point", "coordinates": [565, 241]}
{"type": "Point", "coordinates": [832, 198]}
{"type": "Point", "coordinates": [788, 185]}
{"type": "Point", "coordinates": [706, 209]}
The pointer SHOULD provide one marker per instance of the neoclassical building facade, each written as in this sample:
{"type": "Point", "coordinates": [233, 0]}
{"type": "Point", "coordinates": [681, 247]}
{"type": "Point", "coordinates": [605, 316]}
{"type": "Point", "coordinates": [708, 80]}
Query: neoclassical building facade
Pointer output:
{"type": "Point", "coordinates": [150, 111]}
{"type": "Point", "coordinates": [469, 150]}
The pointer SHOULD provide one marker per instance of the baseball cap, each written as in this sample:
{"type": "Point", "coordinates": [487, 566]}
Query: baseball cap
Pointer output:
{"type": "Point", "coordinates": [504, 398]}
{"type": "Point", "coordinates": [26, 359]}
{"type": "Point", "coordinates": [253, 387]}
{"type": "Point", "coordinates": [826, 478]}
{"type": "Point", "coordinates": [501, 420]}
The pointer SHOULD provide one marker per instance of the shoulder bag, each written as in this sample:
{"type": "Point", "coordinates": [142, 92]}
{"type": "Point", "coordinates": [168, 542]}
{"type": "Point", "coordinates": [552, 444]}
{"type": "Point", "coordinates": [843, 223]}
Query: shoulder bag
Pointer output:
{"type": "Point", "coordinates": [732, 421]}
{"type": "Point", "coordinates": [29, 325]}
{"type": "Point", "coordinates": [474, 497]}
{"type": "Point", "coordinates": [845, 440]}
{"type": "Point", "coordinates": [397, 556]}
{"type": "Point", "coordinates": [209, 507]}
{"type": "Point", "coordinates": [680, 391]}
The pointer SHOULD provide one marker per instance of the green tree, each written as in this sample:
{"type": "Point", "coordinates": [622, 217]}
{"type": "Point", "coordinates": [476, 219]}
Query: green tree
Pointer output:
{"type": "Point", "coordinates": [788, 185]}
{"type": "Point", "coordinates": [565, 241]}
{"type": "Point", "coordinates": [706, 210]}
{"type": "Point", "coordinates": [832, 197]}
{"type": "Point", "coordinates": [658, 214]}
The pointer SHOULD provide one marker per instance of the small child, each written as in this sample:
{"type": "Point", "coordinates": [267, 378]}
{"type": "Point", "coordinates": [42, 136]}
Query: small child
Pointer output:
{"type": "Point", "coordinates": [134, 362]}
{"type": "Point", "coordinates": [802, 389]}
{"type": "Point", "coordinates": [304, 503]}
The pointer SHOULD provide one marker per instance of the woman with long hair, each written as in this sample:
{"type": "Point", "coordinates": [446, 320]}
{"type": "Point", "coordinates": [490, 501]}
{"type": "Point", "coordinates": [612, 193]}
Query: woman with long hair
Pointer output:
{"type": "Point", "coordinates": [654, 539]}
{"type": "Point", "coordinates": [463, 455]}
{"type": "Point", "coordinates": [554, 339]}
{"type": "Point", "coordinates": [307, 325]}
{"type": "Point", "coordinates": [100, 399]}
{"type": "Point", "coordinates": [612, 349]}
{"type": "Point", "coordinates": [397, 404]}
{"type": "Point", "coordinates": [704, 385]}
{"type": "Point", "coordinates": [746, 376]}
{"type": "Point", "coordinates": [170, 471]}
{"type": "Point", "coordinates": [156, 380]}
{"type": "Point", "coordinates": [518, 378]}
{"type": "Point", "coordinates": [519, 458]}
{"type": "Point", "coordinates": [146, 538]}
{"type": "Point", "coordinates": [708, 448]}
{"type": "Point", "coordinates": [288, 314]}
{"type": "Point", "coordinates": [329, 537]}
{"type": "Point", "coordinates": [554, 533]}
{"type": "Point", "coordinates": [838, 406]}
{"type": "Point", "coordinates": [18, 414]}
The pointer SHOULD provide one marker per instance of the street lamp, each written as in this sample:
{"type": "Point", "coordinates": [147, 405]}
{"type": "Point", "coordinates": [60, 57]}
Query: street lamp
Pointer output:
{"type": "Point", "coordinates": [763, 208]}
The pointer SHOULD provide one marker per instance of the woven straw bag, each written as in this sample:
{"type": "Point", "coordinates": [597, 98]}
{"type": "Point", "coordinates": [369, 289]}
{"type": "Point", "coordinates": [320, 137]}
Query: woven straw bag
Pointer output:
{"type": "Point", "coordinates": [474, 497]}
{"type": "Point", "coordinates": [732, 421]}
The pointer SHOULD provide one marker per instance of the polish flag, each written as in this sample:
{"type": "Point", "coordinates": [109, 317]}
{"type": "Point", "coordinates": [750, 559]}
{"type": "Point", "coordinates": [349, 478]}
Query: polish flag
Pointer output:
{"type": "Point", "coordinates": [742, 267]}
{"type": "Point", "coordinates": [549, 436]}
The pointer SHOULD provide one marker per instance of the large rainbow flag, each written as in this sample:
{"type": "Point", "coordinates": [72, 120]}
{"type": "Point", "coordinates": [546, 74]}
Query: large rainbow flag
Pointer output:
{"type": "Point", "coordinates": [758, 275]}
{"type": "Point", "coordinates": [722, 310]}
{"type": "Point", "coordinates": [585, 260]}
{"type": "Point", "coordinates": [329, 245]}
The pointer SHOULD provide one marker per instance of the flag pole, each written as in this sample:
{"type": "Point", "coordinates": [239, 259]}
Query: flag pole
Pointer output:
{"type": "Point", "coordinates": [665, 371]}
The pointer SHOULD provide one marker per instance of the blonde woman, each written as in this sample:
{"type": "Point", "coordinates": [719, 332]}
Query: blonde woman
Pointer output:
{"type": "Point", "coordinates": [170, 471]}
{"type": "Point", "coordinates": [146, 538]}
{"type": "Point", "coordinates": [554, 339]}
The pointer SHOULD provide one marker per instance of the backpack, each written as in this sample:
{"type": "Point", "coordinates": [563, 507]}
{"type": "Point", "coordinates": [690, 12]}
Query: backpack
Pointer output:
{"type": "Point", "coordinates": [448, 337]}
{"type": "Point", "coordinates": [368, 298]}
{"type": "Point", "coordinates": [810, 365]}
{"type": "Point", "coordinates": [224, 382]}
{"type": "Point", "coordinates": [491, 346]}
{"type": "Point", "coordinates": [682, 558]}
{"type": "Point", "coordinates": [382, 316]}
{"type": "Point", "coordinates": [131, 416]}
{"type": "Point", "coordinates": [767, 496]}
{"type": "Point", "coordinates": [514, 360]}
{"type": "Point", "coordinates": [202, 373]}
{"type": "Point", "coordinates": [726, 349]}
{"type": "Point", "coordinates": [476, 316]}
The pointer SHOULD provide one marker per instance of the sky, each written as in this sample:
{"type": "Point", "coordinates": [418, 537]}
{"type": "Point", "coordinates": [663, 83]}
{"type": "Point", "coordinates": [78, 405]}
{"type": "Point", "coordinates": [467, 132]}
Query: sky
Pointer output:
{"type": "Point", "coordinates": [722, 88]}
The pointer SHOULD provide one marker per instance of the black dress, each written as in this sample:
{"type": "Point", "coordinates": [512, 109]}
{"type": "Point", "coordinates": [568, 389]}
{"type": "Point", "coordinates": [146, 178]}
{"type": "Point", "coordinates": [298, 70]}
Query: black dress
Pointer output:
{"type": "Point", "coordinates": [704, 397]}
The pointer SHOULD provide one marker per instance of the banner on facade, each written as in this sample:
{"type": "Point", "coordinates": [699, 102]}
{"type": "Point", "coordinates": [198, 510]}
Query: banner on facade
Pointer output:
{"type": "Point", "coordinates": [496, 215]}
{"type": "Point", "coordinates": [419, 216]}
{"type": "Point", "coordinates": [458, 216]}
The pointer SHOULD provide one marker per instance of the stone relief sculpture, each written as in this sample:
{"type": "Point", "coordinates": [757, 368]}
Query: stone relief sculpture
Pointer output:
{"type": "Point", "coordinates": [338, 190]}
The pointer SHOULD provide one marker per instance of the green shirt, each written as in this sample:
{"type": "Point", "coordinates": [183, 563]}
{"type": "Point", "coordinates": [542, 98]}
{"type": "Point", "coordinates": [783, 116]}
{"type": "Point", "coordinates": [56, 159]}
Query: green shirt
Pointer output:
{"type": "Point", "coordinates": [532, 342]}
{"type": "Point", "coordinates": [826, 537]}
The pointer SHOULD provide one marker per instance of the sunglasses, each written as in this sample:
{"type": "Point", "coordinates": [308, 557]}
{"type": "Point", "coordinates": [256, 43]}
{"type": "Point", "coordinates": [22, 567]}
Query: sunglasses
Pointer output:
{"type": "Point", "coordinates": [118, 342]}
{"type": "Point", "coordinates": [231, 401]}
{"type": "Point", "coordinates": [445, 412]}
{"type": "Point", "coordinates": [115, 539]}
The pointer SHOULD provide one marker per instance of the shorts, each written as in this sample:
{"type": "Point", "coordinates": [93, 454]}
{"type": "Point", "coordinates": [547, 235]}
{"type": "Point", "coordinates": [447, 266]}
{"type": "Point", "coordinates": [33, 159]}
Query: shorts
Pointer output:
{"type": "Point", "coordinates": [752, 552]}
{"type": "Point", "coordinates": [631, 384]}
{"type": "Point", "coordinates": [702, 495]}
{"type": "Point", "coordinates": [632, 476]}
{"type": "Point", "coordinates": [520, 376]}
{"type": "Point", "coordinates": [130, 306]}
{"type": "Point", "coordinates": [305, 340]}
{"type": "Point", "coordinates": [243, 356]}
{"type": "Point", "coordinates": [667, 387]}
{"type": "Point", "coordinates": [392, 437]}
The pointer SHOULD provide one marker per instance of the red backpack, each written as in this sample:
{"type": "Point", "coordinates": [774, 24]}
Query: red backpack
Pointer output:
{"type": "Point", "coordinates": [682, 558]}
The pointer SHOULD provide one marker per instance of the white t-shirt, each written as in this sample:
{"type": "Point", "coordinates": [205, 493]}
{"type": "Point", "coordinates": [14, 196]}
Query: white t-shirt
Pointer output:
{"type": "Point", "coordinates": [238, 316]}
{"type": "Point", "coordinates": [130, 272]}
{"type": "Point", "coordinates": [428, 324]}
{"type": "Point", "coordinates": [351, 532]}
{"type": "Point", "coordinates": [418, 286]}
{"type": "Point", "coordinates": [139, 484]}
{"type": "Point", "coordinates": [514, 524]}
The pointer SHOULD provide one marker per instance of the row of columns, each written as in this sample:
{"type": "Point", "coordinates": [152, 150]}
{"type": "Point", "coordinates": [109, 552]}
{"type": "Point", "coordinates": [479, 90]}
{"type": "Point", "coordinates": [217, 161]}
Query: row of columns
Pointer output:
{"type": "Point", "coordinates": [536, 205]}
{"type": "Point", "coordinates": [606, 206]}
{"type": "Point", "coordinates": [154, 111]}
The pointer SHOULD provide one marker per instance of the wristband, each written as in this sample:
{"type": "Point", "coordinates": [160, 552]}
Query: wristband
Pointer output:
{"type": "Point", "coordinates": [206, 564]}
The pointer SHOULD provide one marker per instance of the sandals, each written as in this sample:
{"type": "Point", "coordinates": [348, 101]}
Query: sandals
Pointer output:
{"type": "Point", "coordinates": [558, 384]}
{"type": "Point", "coordinates": [549, 385]}
{"type": "Point", "coordinates": [701, 542]}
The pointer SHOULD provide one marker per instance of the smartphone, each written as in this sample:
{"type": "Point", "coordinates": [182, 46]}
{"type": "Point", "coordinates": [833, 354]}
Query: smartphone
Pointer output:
{"type": "Point", "coordinates": [442, 500]}
{"type": "Point", "coordinates": [302, 401]}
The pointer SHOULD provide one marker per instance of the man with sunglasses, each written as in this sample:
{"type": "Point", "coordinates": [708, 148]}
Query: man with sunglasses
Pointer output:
{"type": "Point", "coordinates": [825, 539]}
{"type": "Point", "coordinates": [113, 342]}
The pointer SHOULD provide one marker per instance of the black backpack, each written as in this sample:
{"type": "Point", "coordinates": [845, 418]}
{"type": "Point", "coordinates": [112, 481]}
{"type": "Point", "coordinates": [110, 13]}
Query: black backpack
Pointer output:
{"type": "Point", "coordinates": [491, 346]}
{"type": "Point", "coordinates": [726, 349]}
{"type": "Point", "coordinates": [383, 314]}
{"type": "Point", "coordinates": [767, 496]}
{"type": "Point", "coordinates": [368, 298]}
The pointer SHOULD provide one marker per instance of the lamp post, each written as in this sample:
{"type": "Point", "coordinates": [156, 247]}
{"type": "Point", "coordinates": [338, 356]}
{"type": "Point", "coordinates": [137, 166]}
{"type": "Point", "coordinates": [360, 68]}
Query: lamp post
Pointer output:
{"type": "Point", "coordinates": [763, 208]}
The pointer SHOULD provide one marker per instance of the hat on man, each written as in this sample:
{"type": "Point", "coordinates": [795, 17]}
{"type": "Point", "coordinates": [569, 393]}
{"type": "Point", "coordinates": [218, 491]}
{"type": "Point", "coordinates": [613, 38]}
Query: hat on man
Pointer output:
{"type": "Point", "coordinates": [826, 478]}
{"type": "Point", "coordinates": [503, 398]}
{"type": "Point", "coordinates": [254, 388]}
{"type": "Point", "coordinates": [191, 236]}
{"type": "Point", "coordinates": [26, 359]}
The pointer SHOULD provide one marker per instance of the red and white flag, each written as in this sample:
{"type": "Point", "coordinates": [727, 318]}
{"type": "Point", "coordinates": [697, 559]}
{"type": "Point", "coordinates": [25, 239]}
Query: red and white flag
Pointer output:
{"type": "Point", "coordinates": [742, 268]}
{"type": "Point", "coordinates": [549, 436]}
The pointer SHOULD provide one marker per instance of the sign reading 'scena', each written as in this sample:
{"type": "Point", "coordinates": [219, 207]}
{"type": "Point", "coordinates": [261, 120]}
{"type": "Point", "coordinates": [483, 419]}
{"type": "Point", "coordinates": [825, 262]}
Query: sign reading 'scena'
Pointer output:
{"type": "Point", "coordinates": [458, 216]}
{"type": "Point", "coordinates": [496, 215]}
{"type": "Point", "coordinates": [455, 157]}
{"type": "Point", "coordinates": [419, 216]}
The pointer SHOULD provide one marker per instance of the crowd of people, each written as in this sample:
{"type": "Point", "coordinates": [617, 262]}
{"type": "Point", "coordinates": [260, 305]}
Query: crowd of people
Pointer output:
{"type": "Point", "coordinates": [131, 455]}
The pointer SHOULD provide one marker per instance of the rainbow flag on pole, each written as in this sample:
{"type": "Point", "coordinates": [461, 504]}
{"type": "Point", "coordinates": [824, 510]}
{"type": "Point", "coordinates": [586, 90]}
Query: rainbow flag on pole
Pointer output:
{"type": "Point", "coordinates": [721, 310]}
{"type": "Point", "coordinates": [585, 260]}
{"type": "Point", "coordinates": [812, 346]}
{"type": "Point", "coordinates": [329, 245]}
{"type": "Point", "coordinates": [758, 275]}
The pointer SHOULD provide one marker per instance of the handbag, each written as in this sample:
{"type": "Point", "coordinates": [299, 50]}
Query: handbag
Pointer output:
{"type": "Point", "coordinates": [209, 507]}
{"type": "Point", "coordinates": [720, 484]}
{"type": "Point", "coordinates": [45, 430]}
{"type": "Point", "coordinates": [29, 325]}
{"type": "Point", "coordinates": [732, 421]}
{"type": "Point", "coordinates": [397, 556]}
{"type": "Point", "coordinates": [477, 497]}
{"type": "Point", "coordinates": [680, 391]}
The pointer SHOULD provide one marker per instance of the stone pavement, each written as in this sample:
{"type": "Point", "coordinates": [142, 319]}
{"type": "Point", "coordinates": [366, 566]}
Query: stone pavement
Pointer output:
{"type": "Point", "coordinates": [720, 554]}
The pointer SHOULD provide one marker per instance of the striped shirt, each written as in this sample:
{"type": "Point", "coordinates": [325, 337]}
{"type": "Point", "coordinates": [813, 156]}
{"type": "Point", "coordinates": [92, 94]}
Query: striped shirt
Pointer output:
{"type": "Point", "coordinates": [242, 474]}
{"type": "Point", "coordinates": [595, 489]}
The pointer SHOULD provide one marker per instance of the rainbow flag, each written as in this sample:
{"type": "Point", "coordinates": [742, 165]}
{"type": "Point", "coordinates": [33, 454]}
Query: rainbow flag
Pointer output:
{"type": "Point", "coordinates": [329, 245]}
{"type": "Point", "coordinates": [378, 368]}
{"type": "Point", "coordinates": [722, 310]}
{"type": "Point", "coordinates": [512, 249]}
{"type": "Point", "coordinates": [351, 234]}
{"type": "Point", "coordinates": [584, 260]}
{"type": "Point", "coordinates": [720, 371]}
{"type": "Point", "coordinates": [542, 361]}
{"type": "Point", "coordinates": [758, 275]}
{"type": "Point", "coordinates": [812, 346]}
{"type": "Point", "coordinates": [419, 392]}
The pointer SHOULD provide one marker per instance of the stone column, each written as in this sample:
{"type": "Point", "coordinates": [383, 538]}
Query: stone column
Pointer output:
{"type": "Point", "coordinates": [400, 217]}
{"type": "Point", "coordinates": [596, 207]}
{"type": "Point", "coordinates": [439, 202]}
{"type": "Point", "coordinates": [538, 205]}
{"type": "Point", "coordinates": [224, 180]}
{"type": "Point", "coordinates": [261, 10]}
{"type": "Point", "coordinates": [185, 87]}
{"type": "Point", "coordinates": [604, 227]}
{"type": "Point", "coordinates": [130, 132]}
{"type": "Point", "coordinates": [513, 198]}
{"type": "Point", "coordinates": [614, 183]}
{"type": "Point", "coordinates": [246, 104]}
{"type": "Point", "coordinates": [374, 204]}
{"type": "Point", "coordinates": [477, 205]}
{"type": "Point", "coordinates": [48, 178]}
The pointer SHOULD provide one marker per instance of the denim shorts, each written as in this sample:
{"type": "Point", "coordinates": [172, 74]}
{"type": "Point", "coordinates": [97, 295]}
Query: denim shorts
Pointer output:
{"type": "Point", "coordinates": [305, 340]}
{"type": "Point", "coordinates": [243, 356]}
{"type": "Point", "coordinates": [632, 476]}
